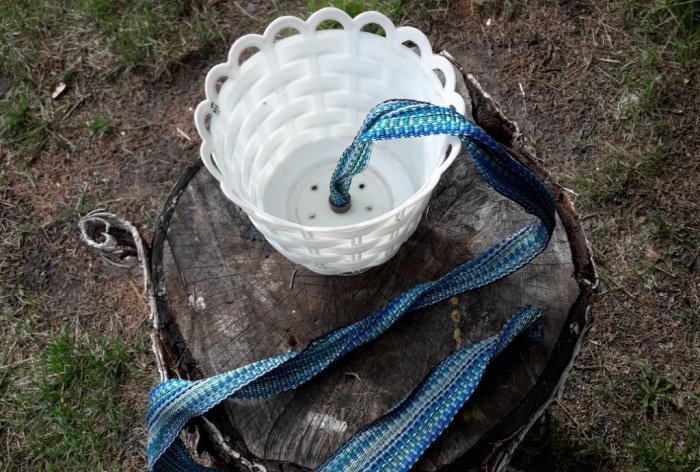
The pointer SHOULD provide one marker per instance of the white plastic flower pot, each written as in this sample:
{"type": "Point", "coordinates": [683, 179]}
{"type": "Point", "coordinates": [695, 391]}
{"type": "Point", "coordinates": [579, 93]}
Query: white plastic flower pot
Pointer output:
{"type": "Point", "coordinates": [275, 124]}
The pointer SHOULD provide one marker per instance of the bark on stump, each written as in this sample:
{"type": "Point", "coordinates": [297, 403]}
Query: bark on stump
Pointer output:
{"type": "Point", "coordinates": [225, 298]}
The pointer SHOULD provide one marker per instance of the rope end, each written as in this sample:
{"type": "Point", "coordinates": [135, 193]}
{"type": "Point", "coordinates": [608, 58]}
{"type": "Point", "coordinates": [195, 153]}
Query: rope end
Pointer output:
{"type": "Point", "coordinates": [340, 208]}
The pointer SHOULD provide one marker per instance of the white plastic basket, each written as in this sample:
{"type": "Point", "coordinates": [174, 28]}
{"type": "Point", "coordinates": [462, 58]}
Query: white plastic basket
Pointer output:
{"type": "Point", "coordinates": [275, 124]}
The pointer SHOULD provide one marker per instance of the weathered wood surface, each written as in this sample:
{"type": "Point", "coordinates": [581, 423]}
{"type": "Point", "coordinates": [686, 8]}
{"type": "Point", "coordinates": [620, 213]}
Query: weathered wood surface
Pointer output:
{"type": "Point", "coordinates": [226, 298]}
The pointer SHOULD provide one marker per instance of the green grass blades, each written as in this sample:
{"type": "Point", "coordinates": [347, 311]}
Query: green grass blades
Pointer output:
{"type": "Point", "coordinates": [67, 410]}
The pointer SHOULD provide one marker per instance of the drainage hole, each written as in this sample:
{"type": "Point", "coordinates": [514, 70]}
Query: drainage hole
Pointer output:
{"type": "Point", "coordinates": [311, 217]}
{"type": "Point", "coordinates": [362, 186]}
{"type": "Point", "coordinates": [314, 187]}
{"type": "Point", "coordinates": [368, 208]}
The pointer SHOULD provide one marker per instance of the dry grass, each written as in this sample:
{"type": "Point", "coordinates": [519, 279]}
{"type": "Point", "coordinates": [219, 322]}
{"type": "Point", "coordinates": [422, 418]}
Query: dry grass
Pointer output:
{"type": "Point", "coordinates": [610, 100]}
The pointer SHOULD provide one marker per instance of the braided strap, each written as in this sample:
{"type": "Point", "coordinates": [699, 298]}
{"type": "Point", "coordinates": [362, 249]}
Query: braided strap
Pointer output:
{"type": "Point", "coordinates": [396, 119]}
{"type": "Point", "coordinates": [396, 440]}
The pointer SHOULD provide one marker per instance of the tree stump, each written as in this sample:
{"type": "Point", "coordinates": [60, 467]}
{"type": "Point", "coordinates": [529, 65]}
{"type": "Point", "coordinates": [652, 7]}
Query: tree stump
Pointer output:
{"type": "Point", "coordinates": [225, 298]}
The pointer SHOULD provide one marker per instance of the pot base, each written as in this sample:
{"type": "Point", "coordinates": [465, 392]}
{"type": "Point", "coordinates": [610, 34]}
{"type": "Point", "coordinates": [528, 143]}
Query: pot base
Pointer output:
{"type": "Point", "coordinates": [298, 188]}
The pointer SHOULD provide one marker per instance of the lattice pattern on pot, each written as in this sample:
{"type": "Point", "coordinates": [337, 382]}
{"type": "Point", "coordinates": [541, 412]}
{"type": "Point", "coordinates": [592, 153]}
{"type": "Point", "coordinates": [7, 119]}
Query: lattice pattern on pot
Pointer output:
{"type": "Point", "coordinates": [304, 84]}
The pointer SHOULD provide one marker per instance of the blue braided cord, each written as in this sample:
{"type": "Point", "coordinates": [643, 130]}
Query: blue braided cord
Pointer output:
{"type": "Point", "coordinates": [174, 402]}
{"type": "Point", "coordinates": [355, 158]}
{"type": "Point", "coordinates": [397, 439]}
{"type": "Point", "coordinates": [365, 450]}
{"type": "Point", "coordinates": [178, 460]}
{"type": "Point", "coordinates": [395, 119]}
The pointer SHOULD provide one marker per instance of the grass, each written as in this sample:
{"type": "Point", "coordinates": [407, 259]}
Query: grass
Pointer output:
{"type": "Point", "coordinates": [104, 37]}
{"type": "Point", "coordinates": [71, 389]}
{"type": "Point", "coordinates": [394, 9]}
{"type": "Point", "coordinates": [23, 128]}
{"type": "Point", "coordinates": [654, 390]}
{"type": "Point", "coordinates": [506, 9]}
{"type": "Point", "coordinates": [636, 403]}
{"type": "Point", "coordinates": [655, 452]}
{"type": "Point", "coordinates": [74, 369]}
{"type": "Point", "coordinates": [645, 149]}
{"type": "Point", "coordinates": [62, 399]}
{"type": "Point", "coordinates": [645, 81]}
{"type": "Point", "coordinates": [672, 30]}
{"type": "Point", "coordinates": [399, 11]}
{"type": "Point", "coordinates": [98, 126]}
{"type": "Point", "coordinates": [607, 182]}
{"type": "Point", "coordinates": [674, 25]}
{"type": "Point", "coordinates": [135, 34]}
{"type": "Point", "coordinates": [77, 392]}
{"type": "Point", "coordinates": [143, 33]}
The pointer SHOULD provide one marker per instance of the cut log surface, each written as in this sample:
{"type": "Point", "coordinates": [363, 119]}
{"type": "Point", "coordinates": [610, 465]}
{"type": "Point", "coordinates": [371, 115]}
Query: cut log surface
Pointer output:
{"type": "Point", "coordinates": [227, 298]}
